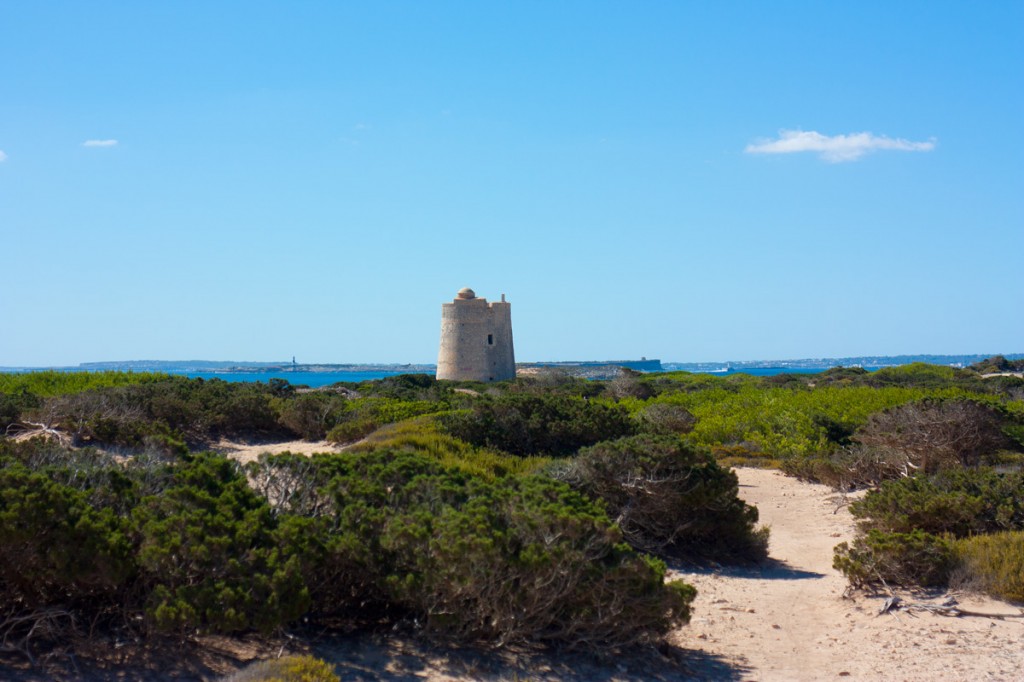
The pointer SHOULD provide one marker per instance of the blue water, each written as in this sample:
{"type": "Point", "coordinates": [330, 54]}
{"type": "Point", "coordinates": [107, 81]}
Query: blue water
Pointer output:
{"type": "Point", "coordinates": [316, 379]}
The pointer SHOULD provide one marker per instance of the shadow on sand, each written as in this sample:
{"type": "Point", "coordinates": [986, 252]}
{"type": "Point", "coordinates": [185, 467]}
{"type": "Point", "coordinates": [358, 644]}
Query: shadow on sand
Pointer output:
{"type": "Point", "coordinates": [771, 569]}
{"type": "Point", "coordinates": [379, 658]}
{"type": "Point", "coordinates": [369, 656]}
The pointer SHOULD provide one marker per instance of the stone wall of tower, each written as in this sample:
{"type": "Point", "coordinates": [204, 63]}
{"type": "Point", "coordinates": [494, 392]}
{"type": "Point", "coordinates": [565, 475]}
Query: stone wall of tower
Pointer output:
{"type": "Point", "coordinates": [476, 341]}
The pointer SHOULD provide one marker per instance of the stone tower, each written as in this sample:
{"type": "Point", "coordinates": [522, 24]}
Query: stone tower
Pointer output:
{"type": "Point", "coordinates": [476, 339]}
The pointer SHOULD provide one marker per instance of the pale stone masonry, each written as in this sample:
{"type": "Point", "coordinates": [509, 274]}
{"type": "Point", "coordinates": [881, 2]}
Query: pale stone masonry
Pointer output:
{"type": "Point", "coordinates": [476, 339]}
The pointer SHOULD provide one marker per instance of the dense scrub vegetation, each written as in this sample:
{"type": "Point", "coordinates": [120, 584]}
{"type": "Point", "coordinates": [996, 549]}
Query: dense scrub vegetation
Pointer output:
{"type": "Point", "coordinates": [806, 422]}
{"type": "Point", "coordinates": [998, 363]}
{"type": "Point", "coordinates": [190, 544]}
{"type": "Point", "coordinates": [960, 525]}
{"type": "Point", "coordinates": [512, 512]}
{"type": "Point", "coordinates": [525, 424]}
{"type": "Point", "coordinates": [835, 427]}
{"type": "Point", "coordinates": [670, 498]}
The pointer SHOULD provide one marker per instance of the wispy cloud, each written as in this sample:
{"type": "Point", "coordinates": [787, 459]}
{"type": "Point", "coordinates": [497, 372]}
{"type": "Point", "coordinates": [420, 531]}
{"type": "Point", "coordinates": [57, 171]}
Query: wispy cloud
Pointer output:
{"type": "Point", "coordinates": [3, 157]}
{"type": "Point", "coordinates": [837, 148]}
{"type": "Point", "coordinates": [100, 143]}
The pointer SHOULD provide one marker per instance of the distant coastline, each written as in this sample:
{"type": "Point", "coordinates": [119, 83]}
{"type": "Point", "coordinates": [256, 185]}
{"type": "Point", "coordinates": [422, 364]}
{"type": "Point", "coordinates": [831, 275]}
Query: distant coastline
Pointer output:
{"type": "Point", "coordinates": [321, 374]}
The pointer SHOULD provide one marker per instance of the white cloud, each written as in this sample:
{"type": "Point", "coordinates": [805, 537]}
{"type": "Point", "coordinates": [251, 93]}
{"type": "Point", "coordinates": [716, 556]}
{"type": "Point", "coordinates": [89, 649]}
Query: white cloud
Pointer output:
{"type": "Point", "coordinates": [100, 143]}
{"type": "Point", "coordinates": [837, 148]}
{"type": "Point", "coordinates": [3, 157]}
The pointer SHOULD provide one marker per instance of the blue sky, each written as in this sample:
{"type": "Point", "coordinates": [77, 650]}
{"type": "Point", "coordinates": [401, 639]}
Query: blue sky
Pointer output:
{"type": "Point", "coordinates": [684, 180]}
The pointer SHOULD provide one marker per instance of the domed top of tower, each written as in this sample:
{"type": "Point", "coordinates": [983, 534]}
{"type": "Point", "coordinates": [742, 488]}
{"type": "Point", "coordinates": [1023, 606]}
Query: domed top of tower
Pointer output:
{"type": "Point", "coordinates": [465, 293]}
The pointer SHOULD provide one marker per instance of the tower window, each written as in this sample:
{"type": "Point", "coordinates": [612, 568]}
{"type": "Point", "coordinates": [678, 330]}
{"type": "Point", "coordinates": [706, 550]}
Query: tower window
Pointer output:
{"type": "Point", "coordinates": [490, 339]}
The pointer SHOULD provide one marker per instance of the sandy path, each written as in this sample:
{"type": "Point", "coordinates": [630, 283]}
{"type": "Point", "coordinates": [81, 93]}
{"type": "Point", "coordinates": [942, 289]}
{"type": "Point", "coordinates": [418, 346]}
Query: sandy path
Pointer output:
{"type": "Point", "coordinates": [245, 452]}
{"type": "Point", "coordinates": [789, 621]}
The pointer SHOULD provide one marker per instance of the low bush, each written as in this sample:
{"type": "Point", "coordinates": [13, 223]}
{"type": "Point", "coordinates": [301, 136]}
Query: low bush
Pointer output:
{"type": "Point", "coordinates": [423, 436]}
{"type": "Point", "coordinates": [364, 416]}
{"type": "Point", "coordinates": [745, 455]}
{"type": "Point", "coordinates": [665, 419]}
{"type": "Point", "coordinates": [965, 525]}
{"type": "Point", "coordinates": [526, 424]}
{"type": "Point", "coordinates": [406, 387]}
{"type": "Point", "coordinates": [209, 556]}
{"type": "Point", "coordinates": [670, 498]}
{"type": "Point", "coordinates": [353, 430]}
{"type": "Point", "coordinates": [507, 560]}
{"type": "Point", "coordinates": [994, 563]}
{"type": "Point", "coordinates": [286, 669]}
{"type": "Point", "coordinates": [556, 381]}
{"type": "Point", "coordinates": [490, 571]}
{"type": "Point", "coordinates": [628, 384]}
{"type": "Point", "coordinates": [998, 363]}
{"type": "Point", "coordinates": [783, 422]}
{"type": "Point", "coordinates": [929, 435]}
{"type": "Point", "coordinates": [923, 375]}
{"type": "Point", "coordinates": [914, 558]}
{"type": "Point", "coordinates": [193, 410]}
{"type": "Point", "coordinates": [55, 546]}
{"type": "Point", "coordinates": [311, 415]}
{"type": "Point", "coordinates": [52, 382]}
{"type": "Point", "coordinates": [961, 502]}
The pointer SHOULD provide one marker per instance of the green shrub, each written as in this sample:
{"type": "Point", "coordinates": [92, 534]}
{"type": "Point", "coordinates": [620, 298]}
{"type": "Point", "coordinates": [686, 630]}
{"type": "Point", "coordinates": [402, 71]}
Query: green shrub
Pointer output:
{"type": "Point", "coordinates": [366, 415]}
{"type": "Point", "coordinates": [14, 405]}
{"type": "Point", "coordinates": [993, 562]}
{"type": "Point", "coordinates": [193, 410]}
{"type": "Point", "coordinates": [310, 415]}
{"type": "Point", "coordinates": [923, 375]}
{"type": "Point", "coordinates": [51, 382]}
{"type": "Point", "coordinates": [819, 469]}
{"type": "Point", "coordinates": [422, 435]}
{"type": "Point", "coordinates": [502, 560]}
{"type": "Point", "coordinates": [910, 528]}
{"type": "Point", "coordinates": [556, 381]}
{"type": "Point", "coordinates": [670, 498]}
{"type": "Point", "coordinates": [209, 556]}
{"type": "Point", "coordinates": [490, 571]}
{"type": "Point", "coordinates": [524, 424]}
{"type": "Point", "coordinates": [998, 363]}
{"type": "Point", "coordinates": [840, 376]}
{"type": "Point", "coordinates": [353, 430]}
{"type": "Point", "coordinates": [782, 422]}
{"type": "Point", "coordinates": [961, 502]}
{"type": "Point", "coordinates": [745, 455]}
{"type": "Point", "coordinates": [628, 385]}
{"type": "Point", "coordinates": [286, 669]}
{"type": "Point", "coordinates": [929, 435]}
{"type": "Point", "coordinates": [914, 558]}
{"type": "Point", "coordinates": [55, 547]}
{"type": "Point", "coordinates": [665, 419]}
{"type": "Point", "coordinates": [189, 544]}
{"type": "Point", "coordinates": [406, 387]}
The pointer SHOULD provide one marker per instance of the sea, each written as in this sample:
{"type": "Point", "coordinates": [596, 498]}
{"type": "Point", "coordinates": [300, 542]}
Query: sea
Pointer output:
{"type": "Point", "coordinates": [317, 379]}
